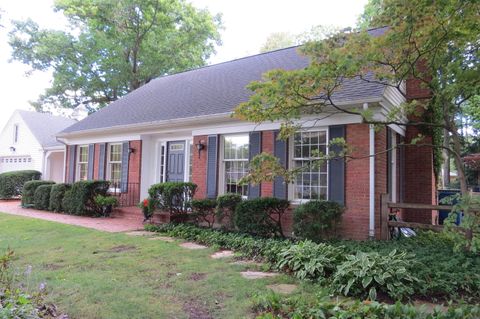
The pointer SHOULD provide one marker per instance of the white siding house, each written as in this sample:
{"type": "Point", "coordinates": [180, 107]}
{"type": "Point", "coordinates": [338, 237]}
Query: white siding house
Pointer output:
{"type": "Point", "coordinates": [28, 142]}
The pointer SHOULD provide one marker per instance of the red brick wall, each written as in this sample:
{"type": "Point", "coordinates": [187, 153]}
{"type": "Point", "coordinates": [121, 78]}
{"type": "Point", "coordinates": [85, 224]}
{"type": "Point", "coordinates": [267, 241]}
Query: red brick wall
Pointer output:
{"type": "Point", "coordinates": [266, 188]}
{"type": "Point", "coordinates": [356, 216]}
{"type": "Point", "coordinates": [420, 183]}
{"type": "Point", "coordinates": [96, 161]}
{"type": "Point", "coordinates": [199, 167]}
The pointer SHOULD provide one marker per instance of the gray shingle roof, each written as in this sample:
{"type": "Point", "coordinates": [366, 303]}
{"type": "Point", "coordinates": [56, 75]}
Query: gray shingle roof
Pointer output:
{"type": "Point", "coordinates": [213, 89]}
{"type": "Point", "coordinates": [45, 126]}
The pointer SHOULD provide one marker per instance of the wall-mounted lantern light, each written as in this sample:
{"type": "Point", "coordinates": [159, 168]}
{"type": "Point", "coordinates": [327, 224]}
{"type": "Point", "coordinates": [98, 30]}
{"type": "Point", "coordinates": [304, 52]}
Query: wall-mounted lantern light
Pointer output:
{"type": "Point", "coordinates": [12, 149]}
{"type": "Point", "coordinates": [200, 146]}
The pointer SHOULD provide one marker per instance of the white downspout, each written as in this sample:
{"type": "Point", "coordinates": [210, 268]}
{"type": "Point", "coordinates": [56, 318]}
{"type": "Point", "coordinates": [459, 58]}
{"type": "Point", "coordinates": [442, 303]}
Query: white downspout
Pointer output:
{"type": "Point", "coordinates": [371, 225]}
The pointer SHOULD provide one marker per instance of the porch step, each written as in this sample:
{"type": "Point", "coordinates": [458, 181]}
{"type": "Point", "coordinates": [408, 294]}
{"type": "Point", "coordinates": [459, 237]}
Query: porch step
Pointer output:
{"type": "Point", "coordinates": [128, 213]}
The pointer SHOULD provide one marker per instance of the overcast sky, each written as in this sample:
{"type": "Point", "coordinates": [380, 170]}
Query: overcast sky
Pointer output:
{"type": "Point", "coordinates": [247, 23]}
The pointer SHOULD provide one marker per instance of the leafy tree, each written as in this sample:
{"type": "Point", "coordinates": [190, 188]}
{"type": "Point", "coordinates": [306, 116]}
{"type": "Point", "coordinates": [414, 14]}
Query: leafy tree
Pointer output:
{"type": "Point", "coordinates": [371, 10]}
{"type": "Point", "coordinates": [278, 40]}
{"type": "Point", "coordinates": [113, 47]}
{"type": "Point", "coordinates": [435, 43]}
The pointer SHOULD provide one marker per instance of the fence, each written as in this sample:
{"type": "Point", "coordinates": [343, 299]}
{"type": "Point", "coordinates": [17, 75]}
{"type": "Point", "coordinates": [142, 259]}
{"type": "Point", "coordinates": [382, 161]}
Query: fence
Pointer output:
{"type": "Point", "coordinates": [387, 206]}
{"type": "Point", "coordinates": [128, 194]}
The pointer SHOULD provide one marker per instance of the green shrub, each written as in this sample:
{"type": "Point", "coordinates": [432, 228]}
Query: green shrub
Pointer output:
{"type": "Point", "coordinates": [275, 306]}
{"type": "Point", "coordinates": [56, 196]}
{"type": "Point", "coordinates": [261, 216]}
{"type": "Point", "coordinates": [316, 220]}
{"type": "Point", "coordinates": [28, 194]}
{"type": "Point", "coordinates": [367, 274]}
{"type": "Point", "coordinates": [11, 183]}
{"type": "Point", "coordinates": [80, 198]}
{"type": "Point", "coordinates": [42, 197]}
{"type": "Point", "coordinates": [106, 203]}
{"type": "Point", "coordinates": [309, 260]}
{"type": "Point", "coordinates": [174, 197]}
{"type": "Point", "coordinates": [204, 211]}
{"type": "Point", "coordinates": [226, 205]}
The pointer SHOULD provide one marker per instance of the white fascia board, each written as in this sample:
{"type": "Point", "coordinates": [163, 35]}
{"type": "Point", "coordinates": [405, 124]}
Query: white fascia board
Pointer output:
{"type": "Point", "coordinates": [149, 127]}
{"type": "Point", "coordinates": [100, 138]}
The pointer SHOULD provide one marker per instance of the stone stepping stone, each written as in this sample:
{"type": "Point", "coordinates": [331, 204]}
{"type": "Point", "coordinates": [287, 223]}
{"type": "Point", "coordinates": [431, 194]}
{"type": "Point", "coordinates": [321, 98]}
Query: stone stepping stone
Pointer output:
{"type": "Point", "coordinates": [192, 246]}
{"type": "Point", "coordinates": [257, 274]}
{"type": "Point", "coordinates": [222, 254]}
{"type": "Point", "coordinates": [284, 289]}
{"type": "Point", "coordinates": [247, 263]}
{"type": "Point", "coordinates": [140, 233]}
{"type": "Point", "coordinates": [163, 238]}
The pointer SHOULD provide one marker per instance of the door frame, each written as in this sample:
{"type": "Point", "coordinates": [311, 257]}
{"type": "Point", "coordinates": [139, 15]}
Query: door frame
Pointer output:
{"type": "Point", "coordinates": [160, 174]}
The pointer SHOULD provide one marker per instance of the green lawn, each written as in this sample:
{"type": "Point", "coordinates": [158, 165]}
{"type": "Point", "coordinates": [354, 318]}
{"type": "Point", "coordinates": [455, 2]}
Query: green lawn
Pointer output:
{"type": "Point", "coordinates": [92, 274]}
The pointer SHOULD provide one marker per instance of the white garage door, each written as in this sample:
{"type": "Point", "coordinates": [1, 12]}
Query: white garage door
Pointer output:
{"type": "Point", "coordinates": [15, 163]}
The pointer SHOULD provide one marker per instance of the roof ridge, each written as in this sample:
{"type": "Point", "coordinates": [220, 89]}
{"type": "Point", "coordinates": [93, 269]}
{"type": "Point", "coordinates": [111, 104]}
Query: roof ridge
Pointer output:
{"type": "Point", "coordinates": [245, 57]}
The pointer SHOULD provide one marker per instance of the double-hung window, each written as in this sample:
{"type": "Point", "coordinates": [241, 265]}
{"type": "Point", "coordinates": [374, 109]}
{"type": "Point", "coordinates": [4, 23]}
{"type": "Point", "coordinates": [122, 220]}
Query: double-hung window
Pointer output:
{"type": "Point", "coordinates": [235, 163]}
{"type": "Point", "coordinates": [82, 163]}
{"type": "Point", "coordinates": [311, 181]}
{"type": "Point", "coordinates": [114, 164]}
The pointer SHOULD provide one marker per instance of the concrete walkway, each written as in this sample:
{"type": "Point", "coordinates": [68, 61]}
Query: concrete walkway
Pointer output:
{"type": "Point", "coordinates": [125, 219]}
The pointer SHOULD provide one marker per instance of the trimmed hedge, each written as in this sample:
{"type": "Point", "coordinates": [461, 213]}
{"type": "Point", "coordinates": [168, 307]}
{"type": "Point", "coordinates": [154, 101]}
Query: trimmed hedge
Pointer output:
{"type": "Point", "coordinates": [204, 211]}
{"type": "Point", "coordinates": [261, 216]}
{"type": "Point", "coordinates": [174, 197]}
{"type": "Point", "coordinates": [80, 198]}
{"type": "Point", "coordinates": [56, 197]}
{"type": "Point", "coordinates": [226, 206]}
{"type": "Point", "coordinates": [11, 183]}
{"type": "Point", "coordinates": [28, 194]}
{"type": "Point", "coordinates": [42, 197]}
{"type": "Point", "coordinates": [317, 220]}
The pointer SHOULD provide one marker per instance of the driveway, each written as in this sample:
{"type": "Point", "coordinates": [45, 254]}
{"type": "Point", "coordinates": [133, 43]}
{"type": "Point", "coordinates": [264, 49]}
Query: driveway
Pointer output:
{"type": "Point", "coordinates": [123, 219]}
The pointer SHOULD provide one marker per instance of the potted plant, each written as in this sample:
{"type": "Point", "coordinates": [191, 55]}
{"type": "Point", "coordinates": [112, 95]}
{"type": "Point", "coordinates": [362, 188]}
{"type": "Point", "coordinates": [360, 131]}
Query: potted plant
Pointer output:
{"type": "Point", "coordinates": [148, 207]}
{"type": "Point", "coordinates": [107, 203]}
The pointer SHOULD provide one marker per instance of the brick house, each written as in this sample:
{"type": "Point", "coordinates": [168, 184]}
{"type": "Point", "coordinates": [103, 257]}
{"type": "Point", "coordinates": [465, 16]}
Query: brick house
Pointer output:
{"type": "Point", "coordinates": [179, 128]}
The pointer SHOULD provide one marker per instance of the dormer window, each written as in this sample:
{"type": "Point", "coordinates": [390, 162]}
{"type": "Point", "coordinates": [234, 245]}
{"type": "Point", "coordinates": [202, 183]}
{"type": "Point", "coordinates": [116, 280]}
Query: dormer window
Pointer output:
{"type": "Point", "coordinates": [15, 133]}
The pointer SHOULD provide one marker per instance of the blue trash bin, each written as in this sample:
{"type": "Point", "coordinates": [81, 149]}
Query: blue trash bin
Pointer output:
{"type": "Point", "coordinates": [443, 214]}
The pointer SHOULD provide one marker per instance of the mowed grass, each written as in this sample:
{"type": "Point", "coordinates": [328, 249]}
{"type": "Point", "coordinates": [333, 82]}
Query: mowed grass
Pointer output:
{"type": "Point", "coordinates": [93, 274]}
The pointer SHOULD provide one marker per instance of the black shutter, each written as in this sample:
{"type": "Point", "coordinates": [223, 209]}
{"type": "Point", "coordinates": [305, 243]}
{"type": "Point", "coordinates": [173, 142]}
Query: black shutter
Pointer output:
{"type": "Point", "coordinates": [125, 158]}
{"type": "Point", "coordinates": [71, 163]}
{"type": "Point", "coordinates": [212, 166]}
{"type": "Point", "coordinates": [101, 161]}
{"type": "Point", "coordinates": [255, 148]}
{"type": "Point", "coordinates": [91, 153]}
{"type": "Point", "coordinates": [336, 176]}
{"type": "Point", "coordinates": [280, 150]}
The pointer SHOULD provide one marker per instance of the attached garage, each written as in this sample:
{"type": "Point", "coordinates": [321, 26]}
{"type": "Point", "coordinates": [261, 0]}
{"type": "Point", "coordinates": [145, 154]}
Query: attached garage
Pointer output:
{"type": "Point", "coordinates": [15, 163]}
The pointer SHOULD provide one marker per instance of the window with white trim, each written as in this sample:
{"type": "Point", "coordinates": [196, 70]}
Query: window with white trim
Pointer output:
{"type": "Point", "coordinates": [312, 181]}
{"type": "Point", "coordinates": [114, 164]}
{"type": "Point", "coordinates": [82, 163]}
{"type": "Point", "coordinates": [235, 162]}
